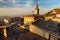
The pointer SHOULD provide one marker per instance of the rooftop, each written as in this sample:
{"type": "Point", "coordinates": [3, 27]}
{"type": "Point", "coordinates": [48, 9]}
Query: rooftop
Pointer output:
{"type": "Point", "coordinates": [49, 26]}
{"type": "Point", "coordinates": [57, 10]}
{"type": "Point", "coordinates": [17, 33]}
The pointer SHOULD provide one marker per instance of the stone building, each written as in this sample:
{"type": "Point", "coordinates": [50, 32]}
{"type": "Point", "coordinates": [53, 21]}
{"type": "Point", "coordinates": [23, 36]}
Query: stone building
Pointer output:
{"type": "Point", "coordinates": [28, 19]}
{"type": "Point", "coordinates": [53, 15]}
{"type": "Point", "coordinates": [34, 16]}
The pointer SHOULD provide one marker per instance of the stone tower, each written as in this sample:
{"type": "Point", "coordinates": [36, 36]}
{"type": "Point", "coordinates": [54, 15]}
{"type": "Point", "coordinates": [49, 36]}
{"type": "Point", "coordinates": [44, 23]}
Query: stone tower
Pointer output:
{"type": "Point", "coordinates": [36, 11]}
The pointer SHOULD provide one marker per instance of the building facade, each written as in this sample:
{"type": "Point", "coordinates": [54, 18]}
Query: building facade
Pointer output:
{"type": "Point", "coordinates": [28, 19]}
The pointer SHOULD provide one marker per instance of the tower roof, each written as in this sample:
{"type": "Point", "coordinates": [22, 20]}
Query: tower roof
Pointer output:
{"type": "Point", "coordinates": [37, 5]}
{"type": "Point", "coordinates": [36, 8]}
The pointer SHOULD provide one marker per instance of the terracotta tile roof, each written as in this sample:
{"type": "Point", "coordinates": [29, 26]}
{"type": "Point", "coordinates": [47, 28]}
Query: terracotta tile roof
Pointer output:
{"type": "Point", "coordinates": [20, 34]}
{"type": "Point", "coordinates": [57, 10]}
{"type": "Point", "coordinates": [38, 17]}
{"type": "Point", "coordinates": [49, 26]}
{"type": "Point", "coordinates": [2, 23]}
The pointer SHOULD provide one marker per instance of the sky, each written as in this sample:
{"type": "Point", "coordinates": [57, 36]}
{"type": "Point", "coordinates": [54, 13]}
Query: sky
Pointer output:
{"type": "Point", "coordinates": [25, 7]}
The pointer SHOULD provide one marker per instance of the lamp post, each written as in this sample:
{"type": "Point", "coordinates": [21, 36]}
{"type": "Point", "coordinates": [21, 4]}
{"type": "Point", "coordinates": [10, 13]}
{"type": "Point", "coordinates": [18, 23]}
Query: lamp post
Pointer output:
{"type": "Point", "coordinates": [4, 29]}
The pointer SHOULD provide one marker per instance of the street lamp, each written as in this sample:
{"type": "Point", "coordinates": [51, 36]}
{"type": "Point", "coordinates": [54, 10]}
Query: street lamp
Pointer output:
{"type": "Point", "coordinates": [4, 29]}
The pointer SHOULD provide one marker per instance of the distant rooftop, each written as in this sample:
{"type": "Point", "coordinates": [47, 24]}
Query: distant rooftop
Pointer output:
{"type": "Point", "coordinates": [57, 10]}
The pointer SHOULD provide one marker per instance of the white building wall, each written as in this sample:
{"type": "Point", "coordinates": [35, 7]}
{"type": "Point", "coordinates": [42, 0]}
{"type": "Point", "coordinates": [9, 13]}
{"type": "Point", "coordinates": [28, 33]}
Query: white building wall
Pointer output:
{"type": "Point", "coordinates": [39, 31]}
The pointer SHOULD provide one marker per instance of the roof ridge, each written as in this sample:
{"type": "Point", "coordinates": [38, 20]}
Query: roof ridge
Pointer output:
{"type": "Point", "coordinates": [56, 8]}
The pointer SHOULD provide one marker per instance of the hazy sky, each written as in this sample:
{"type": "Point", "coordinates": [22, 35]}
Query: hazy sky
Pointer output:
{"type": "Point", "coordinates": [25, 7]}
